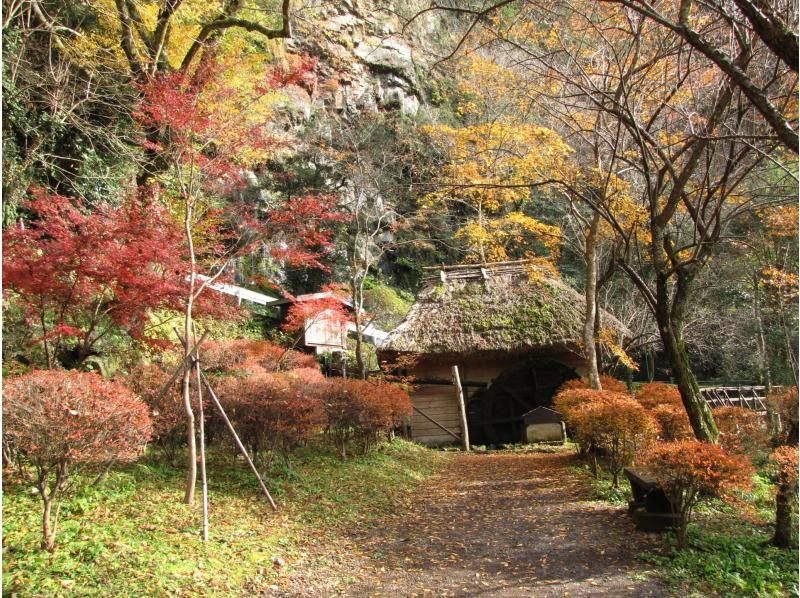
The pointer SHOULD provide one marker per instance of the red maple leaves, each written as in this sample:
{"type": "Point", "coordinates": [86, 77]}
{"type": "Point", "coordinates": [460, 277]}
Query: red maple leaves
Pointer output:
{"type": "Point", "coordinates": [80, 272]}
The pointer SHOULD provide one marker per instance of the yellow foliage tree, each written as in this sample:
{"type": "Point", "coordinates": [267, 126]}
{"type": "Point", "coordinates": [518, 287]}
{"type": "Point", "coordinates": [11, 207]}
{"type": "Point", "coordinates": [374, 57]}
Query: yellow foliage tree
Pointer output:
{"type": "Point", "coordinates": [489, 172]}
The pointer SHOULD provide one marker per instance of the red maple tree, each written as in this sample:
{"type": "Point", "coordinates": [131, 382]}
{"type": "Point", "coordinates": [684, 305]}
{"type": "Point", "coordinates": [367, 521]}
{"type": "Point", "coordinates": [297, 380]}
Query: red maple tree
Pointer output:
{"type": "Point", "coordinates": [200, 133]}
{"type": "Point", "coordinates": [687, 470]}
{"type": "Point", "coordinates": [82, 273]}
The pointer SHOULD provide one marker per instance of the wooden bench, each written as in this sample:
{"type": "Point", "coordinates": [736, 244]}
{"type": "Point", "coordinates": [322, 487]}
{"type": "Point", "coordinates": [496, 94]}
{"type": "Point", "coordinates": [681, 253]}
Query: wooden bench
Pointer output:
{"type": "Point", "coordinates": [650, 507]}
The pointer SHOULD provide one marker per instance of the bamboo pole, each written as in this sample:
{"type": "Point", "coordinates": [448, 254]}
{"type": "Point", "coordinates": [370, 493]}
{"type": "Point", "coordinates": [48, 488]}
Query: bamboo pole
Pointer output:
{"type": "Point", "coordinates": [183, 364]}
{"type": "Point", "coordinates": [239, 444]}
{"type": "Point", "coordinates": [462, 409]}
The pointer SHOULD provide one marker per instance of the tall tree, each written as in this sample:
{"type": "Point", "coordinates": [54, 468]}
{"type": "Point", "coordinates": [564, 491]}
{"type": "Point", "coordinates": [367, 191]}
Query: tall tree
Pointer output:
{"type": "Point", "coordinates": [209, 133]}
{"type": "Point", "coordinates": [723, 30]}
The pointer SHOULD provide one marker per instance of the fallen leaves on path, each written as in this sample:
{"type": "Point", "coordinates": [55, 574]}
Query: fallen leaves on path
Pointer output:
{"type": "Point", "coordinates": [488, 525]}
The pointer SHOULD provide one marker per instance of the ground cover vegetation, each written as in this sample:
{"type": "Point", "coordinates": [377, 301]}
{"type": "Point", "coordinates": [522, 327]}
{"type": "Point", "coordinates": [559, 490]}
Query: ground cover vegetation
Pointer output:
{"type": "Point", "coordinates": [645, 154]}
{"type": "Point", "coordinates": [731, 499]}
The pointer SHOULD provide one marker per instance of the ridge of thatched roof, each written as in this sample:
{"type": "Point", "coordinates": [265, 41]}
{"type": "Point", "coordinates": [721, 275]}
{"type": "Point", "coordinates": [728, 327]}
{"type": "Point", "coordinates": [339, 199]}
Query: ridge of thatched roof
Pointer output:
{"type": "Point", "coordinates": [502, 306]}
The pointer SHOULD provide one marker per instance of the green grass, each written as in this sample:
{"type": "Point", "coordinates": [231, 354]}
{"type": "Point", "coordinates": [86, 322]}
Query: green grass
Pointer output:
{"type": "Point", "coordinates": [729, 552]}
{"type": "Point", "coordinates": [602, 486]}
{"type": "Point", "coordinates": [737, 562]}
{"type": "Point", "coordinates": [132, 536]}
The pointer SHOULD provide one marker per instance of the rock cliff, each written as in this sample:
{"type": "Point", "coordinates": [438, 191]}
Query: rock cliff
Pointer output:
{"type": "Point", "coordinates": [367, 61]}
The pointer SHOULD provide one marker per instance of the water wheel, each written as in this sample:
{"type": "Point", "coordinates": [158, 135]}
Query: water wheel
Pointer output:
{"type": "Point", "coordinates": [495, 413]}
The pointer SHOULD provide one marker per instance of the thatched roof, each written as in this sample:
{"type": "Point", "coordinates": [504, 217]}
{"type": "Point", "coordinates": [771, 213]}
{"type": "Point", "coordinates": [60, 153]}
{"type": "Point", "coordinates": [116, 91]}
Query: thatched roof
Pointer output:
{"type": "Point", "coordinates": [506, 306]}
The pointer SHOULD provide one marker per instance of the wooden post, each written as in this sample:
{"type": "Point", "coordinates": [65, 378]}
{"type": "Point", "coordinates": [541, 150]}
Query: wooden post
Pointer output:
{"type": "Point", "coordinates": [185, 363]}
{"type": "Point", "coordinates": [195, 364]}
{"type": "Point", "coordinates": [462, 408]}
{"type": "Point", "coordinates": [239, 444]}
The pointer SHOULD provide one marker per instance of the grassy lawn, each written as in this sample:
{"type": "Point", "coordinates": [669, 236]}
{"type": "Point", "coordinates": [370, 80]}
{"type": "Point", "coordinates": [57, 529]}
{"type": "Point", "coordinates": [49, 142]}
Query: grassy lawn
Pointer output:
{"type": "Point", "coordinates": [132, 536]}
{"type": "Point", "coordinates": [729, 552]}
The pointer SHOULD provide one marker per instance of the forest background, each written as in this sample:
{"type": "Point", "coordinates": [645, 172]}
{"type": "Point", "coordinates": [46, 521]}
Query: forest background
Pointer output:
{"type": "Point", "coordinates": [591, 138]}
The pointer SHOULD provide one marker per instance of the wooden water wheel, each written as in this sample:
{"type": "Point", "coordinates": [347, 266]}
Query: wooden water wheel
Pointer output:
{"type": "Point", "coordinates": [495, 413]}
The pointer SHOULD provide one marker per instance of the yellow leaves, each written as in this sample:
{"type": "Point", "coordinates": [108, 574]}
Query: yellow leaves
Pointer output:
{"type": "Point", "coordinates": [609, 338]}
{"type": "Point", "coordinates": [495, 163]}
{"type": "Point", "coordinates": [781, 221]}
{"type": "Point", "coordinates": [510, 236]}
{"type": "Point", "coordinates": [781, 280]}
{"type": "Point", "coordinates": [100, 42]}
{"type": "Point", "coordinates": [491, 169]}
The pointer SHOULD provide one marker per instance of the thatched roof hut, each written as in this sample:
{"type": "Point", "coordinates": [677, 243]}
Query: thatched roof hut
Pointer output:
{"type": "Point", "coordinates": [513, 329]}
{"type": "Point", "coordinates": [509, 307]}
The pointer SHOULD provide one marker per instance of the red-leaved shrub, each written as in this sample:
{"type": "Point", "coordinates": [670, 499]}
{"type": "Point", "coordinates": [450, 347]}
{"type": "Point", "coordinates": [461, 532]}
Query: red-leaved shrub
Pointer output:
{"type": "Point", "coordinates": [687, 470]}
{"type": "Point", "coordinates": [616, 426]}
{"type": "Point", "coordinates": [242, 356]}
{"type": "Point", "coordinates": [663, 402]}
{"type": "Point", "coordinates": [62, 422]}
{"type": "Point", "coordinates": [362, 410]}
{"type": "Point", "coordinates": [653, 394]}
{"type": "Point", "coordinates": [783, 405]}
{"type": "Point", "coordinates": [673, 422]}
{"type": "Point", "coordinates": [570, 402]}
{"type": "Point", "coordinates": [166, 409]}
{"type": "Point", "coordinates": [608, 383]}
{"type": "Point", "coordinates": [272, 413]}
{"type": "Point", "coordinates": [742, 431]}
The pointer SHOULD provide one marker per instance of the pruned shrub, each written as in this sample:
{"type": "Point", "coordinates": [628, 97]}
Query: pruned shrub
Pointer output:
{"type": "Point", "coordinates": [253, 356]}
{"type": "Point", "coordinates": [362, 410]}
{"type": "Point", "coordinates": [608, 383]}
{"type": "Point", "coordinates": [65, 422]}
{"type": "Point", "coordinates": [673, 422]}
{"type": "Point", "coordinates": [687, 470]}
{"type": "Point", "coordinates": [570, 402]}
{"type": "Point", "coordinates": [785, 461]}
{"type": "Point", "coordinates": [617, 426]}
{"type": "Point", "coordinates": [166, 409]}
{"type": "Point", "coordinates": [653, 394]}
{"type": "Point", "coordinates": [663, 402]}
{"type": "Point", "coordinates": [273, 413]}
{"type": "Point", "coordinates": [742, 431]}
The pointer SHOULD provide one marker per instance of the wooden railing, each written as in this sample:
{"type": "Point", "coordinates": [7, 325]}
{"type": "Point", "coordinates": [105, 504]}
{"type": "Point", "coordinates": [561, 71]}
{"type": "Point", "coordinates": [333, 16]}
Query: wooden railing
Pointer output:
{"type": "Point", "coordinates": [749, 397]}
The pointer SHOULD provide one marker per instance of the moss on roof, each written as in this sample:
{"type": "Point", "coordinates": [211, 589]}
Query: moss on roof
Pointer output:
{"type": "Point", "coordinates": [493, 307]}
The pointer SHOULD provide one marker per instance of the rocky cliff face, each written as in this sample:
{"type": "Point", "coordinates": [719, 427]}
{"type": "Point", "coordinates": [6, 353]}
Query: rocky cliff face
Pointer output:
{"type": "Point", "coordinates": [367, 63]}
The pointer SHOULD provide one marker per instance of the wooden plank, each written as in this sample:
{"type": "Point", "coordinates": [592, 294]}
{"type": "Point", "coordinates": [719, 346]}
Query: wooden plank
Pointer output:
{"type": "Point", "coordinates": [446, 382]}
{"type": "Point", "coordinates": [453, 434]}
{"type": "Point", "coordinates": [449, 414]}
{"type": "Point", "coordinates": [449, 417]}
{"type": "Point", "coordinates": [423, 424]}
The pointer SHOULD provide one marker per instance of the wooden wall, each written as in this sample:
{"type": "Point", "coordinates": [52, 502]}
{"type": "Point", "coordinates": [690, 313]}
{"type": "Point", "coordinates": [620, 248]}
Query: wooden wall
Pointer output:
{"type": "Point", "coordinates": [439, 400]}
{"type": "Point", "coordinates": [440, 403]}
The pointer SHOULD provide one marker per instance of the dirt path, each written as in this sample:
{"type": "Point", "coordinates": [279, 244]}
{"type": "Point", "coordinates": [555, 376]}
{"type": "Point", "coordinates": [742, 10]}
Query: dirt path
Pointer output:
{"type": "Point", "coordinates": [490, 525]}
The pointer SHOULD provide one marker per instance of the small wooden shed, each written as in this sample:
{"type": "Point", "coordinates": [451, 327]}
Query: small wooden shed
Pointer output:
{"type": "Point", "coordinates": [543, 425]}
{"type": "Point", "coordinates": [513, 330]}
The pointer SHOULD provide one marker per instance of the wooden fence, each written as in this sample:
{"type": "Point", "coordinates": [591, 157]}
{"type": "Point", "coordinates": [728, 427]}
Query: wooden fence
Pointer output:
{"type": "Point", "coordinates": [749, 397]}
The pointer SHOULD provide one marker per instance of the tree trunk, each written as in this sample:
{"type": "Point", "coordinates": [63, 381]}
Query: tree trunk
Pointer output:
{"type": "Point", "coordinates": [785, 516]}
{"type": "Point", "coordinates": [670, 317]}
{"type": "Point", "coordinates": [191, 471]}
{"type": "Point", "coordinates": [48, 527]}
{"type": "Point", "coordinates": [763, 359]}
{"type": "Point", "coordinates": [357, 289]}
{"type": "Point", "coordinates": [589, 347]}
